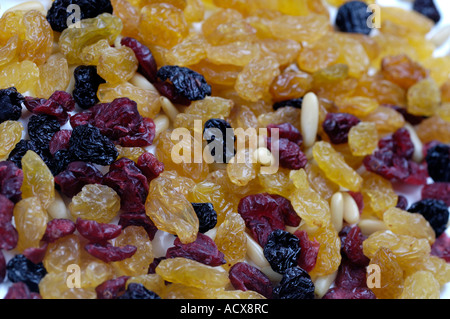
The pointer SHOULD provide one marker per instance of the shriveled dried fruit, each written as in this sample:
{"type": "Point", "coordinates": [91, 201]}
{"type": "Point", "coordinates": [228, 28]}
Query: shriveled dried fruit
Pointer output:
{"type": "Point", "coordinates": [245, 277]}
{"type": "Point", "coordinates": [295, 284]}
{"type": "Point", "coordinates": [20, 269]}
{"type": "Point", "coordinates": [282, 250]}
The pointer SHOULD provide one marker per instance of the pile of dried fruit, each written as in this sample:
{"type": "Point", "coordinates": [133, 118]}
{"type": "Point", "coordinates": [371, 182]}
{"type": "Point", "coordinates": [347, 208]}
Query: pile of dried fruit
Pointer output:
{"type": "Point", "coordinates": [88, 176]}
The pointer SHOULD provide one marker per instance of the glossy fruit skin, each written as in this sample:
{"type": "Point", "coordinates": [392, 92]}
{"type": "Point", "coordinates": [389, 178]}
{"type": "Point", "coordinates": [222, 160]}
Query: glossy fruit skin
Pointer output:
{"type": "Point", "coordinates": [282, 250]}
{"type": "Point", "coordinates": [41, 129]}
{"type": "Point", "coordinates": [58, 14]}
{"type": "Point", "coordinates": [427, 8]}
{"type": "Point", "coordinates": [245, 277]}
{"type": "Point", "coordinates": [11, 101]}
{"type": "Point", "coordinates": [87, 82]}
{"type": "Point", "coordinates": [434, 211]}
{"type": "Point", "coordinates": [20, 269]}
{"type": "Point", "coordinates": [147, 63]}
{"type": "Point", "coordinates": [295, 284]}
{"type": "Point", "coordinates": [352, 17]}
{"type": "Point", "coordinates": [207, 216]}
{"type": "Point", "coordinates": [438, 160]}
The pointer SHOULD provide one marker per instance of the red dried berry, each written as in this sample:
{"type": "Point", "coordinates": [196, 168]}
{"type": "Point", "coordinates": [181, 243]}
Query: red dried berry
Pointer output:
{"type": "Point", "coordinates": [97, 232]}
{"type": "Point", "coordinates": [111, 289]}
{"type": "Point", "coordinates": [18, 290]}
{"type": "Point", "coordinates": [60, 141]}
{"type": "Point", "coordinates": [338, 125]}
{"type": "Point", "coordinates": [355, 293]}
{"type": "Point", "coordinates": [246, 277]}
{"type": "Point", "coordinates": [147, 63]}
{"type": "Point", "coordinates": [129, 183]}
{"type": "Point", "coordinates": [350, 275]}
{"type": "Point", "coordinates": [154, 264]}
{"type": "Point", "coordinates": [168, 90]}
{"type": "Point", "coordinates": [358, 198]}
{"type": "Point", "coordinates": [441, 247]}
{"type": "Point", "coordinates": [8, 236]}
{"type": "Point", "coordinates": [150, 166]}
{"type": "Point", "coordinates": [290, 154]}
{"type": "Point", "coordinates": [203, 250]}
{"type": "Point", "coordinates": [6, 209]}
{"type": "Point", "coordinates": [352, 247]}
{"type": "Point", "coordinates": [138, 219]}
{"type": "Point", "coordinates": [410, 118]}
{"type": "Point", "coordinates": [286, 130]}
{"type": "Point", "coordinates": [437, 190]}
{"type": "Point", "coordinates": [109, 253]}
{"type": "Point", "coordinates": [36, 254]}
{"type": "Point", "coordinates": [264, 213]}
{"type": "Point", "coordinates": [309, 251]}
{"type": "Point", "coordinates": [58, 228]}
{"type": "Point", "coordinates": [58, 105]}
{"type": "Point", "coordinates": [11, 179]}
{"type": "Point", "coordinates": [402, 202]}
{"type": "Point", "coordinates": [77, 175]}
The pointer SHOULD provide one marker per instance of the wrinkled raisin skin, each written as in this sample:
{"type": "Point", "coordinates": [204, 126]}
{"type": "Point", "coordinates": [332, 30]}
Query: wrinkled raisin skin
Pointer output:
{"type": "Point", "coordinates": [20, 269]}
{"type": "Point", "coordinates": [219, 131]}
{"type": "Point", "coordinates": [338, 125]}
{"type": "Point", "coordinates": [10, 100]}
{"type": "Point", "coordinates": [87, 82]}
{"type": "Point", "coordinates": [282, 250]}
{"type": "Point", "coordinates": [147, 63]}
{"type": "Point", "coordinates": [352, 17]}
{"type": "Point", "coordinates": [295, 284]}
{"type": "Point", "coordinates": [438, 160]}
{"type": "Point", "coordinates": [207, 216]}
{"type": "Point", "coordinates": [434, 211]}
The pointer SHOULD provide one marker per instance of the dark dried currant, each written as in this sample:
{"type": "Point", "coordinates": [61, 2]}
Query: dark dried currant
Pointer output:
{"type": "Point", "coordinates": [434, 211]}
{"type": "Point", "coordinates": [295, 284]}
{"type": "Point", "coordinates": [87, 82]}
{"type": "Point", "coordinates": [187, 82]}
{"type": "Point", "coordinates": [11, 104]}
{"type": "Point", "coordinates": [138, 219]}
{"type": "Point", "coordinates": [20, 269]}
{"type": "Point", "coordinates": [282, 250]}
{"type": "Point", "coordinates": [207, 216]}
{"type": "Point", "coordinates": [352, 17]}
{"type": "Point", "coordinates": [297, 103]}
{"type": "Point", "coordinates": [60, 12]}
{"type": "Point", "coordinates": [41, 129]}
{"type": "Point", "coordinates": [247, 277]}
{"type": "Point", "coordinates": [220, 137]}
{"type": "Point", "coordinates": [438, 162]}
{"type": "Point", "coordinates": [427, 8]}
{"type": "Point", "coordinates": [138, 291]}
{"type": "Point", "coordinates": [338, 125]}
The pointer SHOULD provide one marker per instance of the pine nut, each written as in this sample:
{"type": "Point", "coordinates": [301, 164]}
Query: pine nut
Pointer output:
{"type": "Point", "coordinates": [441, 36]}
{"type": "Point", "coordinates": [263, 156]}
{"type": "Point", "coordinates": [271, 274]}
{"type": "Point", "coordinates": [141, 82]}
{"type": "Point", "coordinates": [323, 283]}
{"type": "Point", "coordinates": [310, 118]}
{"type": "Point", "coordinates": [168, 108]}
{"type": "Point", "coordinates": [369, 226]}
{"type": "Point", "coordinates": [255, 252]}
{"type": "Point", "coordinates": [418, 146]}
{"type": "Point", "coordinates": [28, 6]}
{"type": "Point", "coordinates": [162, 123]}
{"type": "Point", "coordinates": [337, 210]}
{"type": "Point", "coordinates": [351, 210]}
{"type": "Point", "coordinates": [58, 208]}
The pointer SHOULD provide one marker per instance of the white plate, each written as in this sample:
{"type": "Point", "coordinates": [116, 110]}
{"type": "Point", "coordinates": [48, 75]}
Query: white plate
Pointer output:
{"type": "Point", "coordinates": [444, 7]}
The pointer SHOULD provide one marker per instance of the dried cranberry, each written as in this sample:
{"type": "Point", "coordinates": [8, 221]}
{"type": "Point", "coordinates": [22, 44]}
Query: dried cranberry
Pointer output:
{"type": "Point", "coordinates": [8, 236]}
{"type": "Point", "coordinates": [138, 219]}
{"type": "Point", "coordinates": [150, 166]}
{"type": "Point", "coordinates": [112, 289]}
{"type": "Point", "coordinates": [147, 63]}
{"type": "Point", "coordinates": [187, 82]}
{"type": "Point", "coordinates": [168, 90]}
{"type": "Point", "coordinates": [97, 232]}
{"type": "Point", "coordinates": [18, 290]}
{"type": "Point", "coordinates": [246, 277]}
{"type": "Point", "coordinates": [60, 141]}
{"type": "Point", "coordinates": [203, 250]}
{"type": "Point", "coordinates": [441, 247]}
{"type": "Point", "coordinates": [11, 179]}
{"type": "Point", "coordinates": [355, 293]}
{"type": "Point", "coordinates": [57, 105]}
{"type": "Point", "coordinates": [2, 267]}
{"type": "Point", "coordinates": [6, 209]}
{"type": "Point", "coordinates": [77, 175]}
{"type": "Point", "coordinates": [58, 228]}
{"type": "Point", "coordinates": [352, 247]}
{"type": "Point", "coordinates": [109, 253]}
{"type": "Point", "coordinates": [286, 130]}
{"type": "Point", "coordinates": [154, 264]}
{"type": "Point", "coordinates": [268, 211]}
{"type": "Point", "coordinates": [358, 198]}
{"type": "Point", "coordinates": [438, 190]}
{"type": "Point", "coordinates": [290, 154]}
{"type": "Point", "coordinates": [400, 143]}
{"type": "Point", "coordinates": [350, 275]}
{"type": "Point", "coordinates": [308, 251]}
{"type": "Point", "coordinates": [129, 183]}
{"type": "Point", "coordinates": [338, 125]}
{"type": "Point", "coordinates": [402, 202]}
{"type": "Point", "coordinates": [36, 254]}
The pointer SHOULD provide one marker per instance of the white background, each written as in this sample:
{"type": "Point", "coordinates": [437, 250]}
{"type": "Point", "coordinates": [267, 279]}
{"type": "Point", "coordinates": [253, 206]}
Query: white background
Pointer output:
{"type": "Point", "coordinates": [444, 7]}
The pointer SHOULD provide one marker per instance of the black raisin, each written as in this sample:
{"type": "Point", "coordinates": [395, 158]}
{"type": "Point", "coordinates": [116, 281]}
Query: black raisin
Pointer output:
{"type": "Point", "coordinates": [220, 137]}
{"type": "Point", "coordinates": [41, 129]}
{"type": "Point", "coordinates": [297, 103]}
{"type": "Point", "coordinates": [187, 82]}
{"type": "Point", "coordinates": [87, 144]}
{"type": "Point", "coordinates": [438, 162]}
{"type": "Point", "coordinates": [207, 216]}
{"type": "Point", "coordinates": [59, 14]}
{"type": "Point", "coordinates": [352, 17]}
{"type": "Point", "coordinates": [434, 211]}
{"type": "Point", "coordinates": [60, 161]}
{"type": "Point", "coordinates": [138, 291]}
{"type": "Point", "coordinates": [10, 104]}
{"type": "Point", "coordinates": [427, 8]}
{"type": "Point", "coordinates": [282, 250]}
{"type": "Point", "coordinates": [24, 146]}
{"type": "Point", "coordinates": [87, 82]}
{"type": "Point", "coordinates": [295, 284]}
{"type": "Point", "coordinates": [21, 269]}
